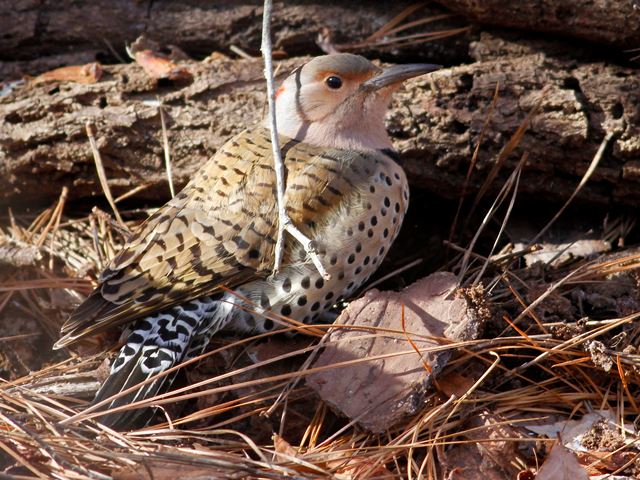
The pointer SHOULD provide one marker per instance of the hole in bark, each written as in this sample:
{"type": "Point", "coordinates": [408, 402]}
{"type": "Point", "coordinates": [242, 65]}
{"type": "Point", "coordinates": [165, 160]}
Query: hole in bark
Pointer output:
{"type": "Point", "coordinates": [472, 103]}
{"type": "Point", "coordinates": [165, 82]}
{"type": "Point", "coordinates": [617, 110]}
{"type": "Point", "coordinates": [459, 127]}
{"type": "Point", "coordinates": [13, 117]}
{"type": "Point", "coordinates": [54, 90]}
{"type": "Point", "coordinates": [466, 82]}
{"type": "Point", "coordinates": [125, 79]}
{"type": "Point", "coordinates": [572, 83]}
{"type": "Point", "coordinates": [102, 103]}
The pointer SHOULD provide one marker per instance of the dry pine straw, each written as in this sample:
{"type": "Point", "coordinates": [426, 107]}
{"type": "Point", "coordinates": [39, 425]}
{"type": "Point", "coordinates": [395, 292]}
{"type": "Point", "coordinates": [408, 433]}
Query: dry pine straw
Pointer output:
{"type": "Point", "coordinates": [530, 368]}
{"type": "Point", "coordinates": [525, 371]}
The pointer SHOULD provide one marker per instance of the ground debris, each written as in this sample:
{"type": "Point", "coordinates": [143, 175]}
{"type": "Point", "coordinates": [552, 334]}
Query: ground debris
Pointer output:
{"type": "Point", "coordinates": [562, 464]}
{"type": "Point", "coordinates": [87, 74]}
{"type": "Point", "coordinates": [394, 344]}
{"type": "Point", "coordinates": [493, 453]}
{"type": "Point", "coordinates": [17, 254]}
{"type": "Point", "coordinates": [157, 65]}
{"type": "Point", "coordinates": [557, 254]}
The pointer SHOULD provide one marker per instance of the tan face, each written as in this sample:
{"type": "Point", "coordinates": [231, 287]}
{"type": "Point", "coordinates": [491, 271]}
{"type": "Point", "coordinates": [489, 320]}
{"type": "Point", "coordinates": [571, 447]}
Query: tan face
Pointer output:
{"type": "Point", "coordinates": [340, 101]}
{"type": "Point", "coordinates": [323, 93]}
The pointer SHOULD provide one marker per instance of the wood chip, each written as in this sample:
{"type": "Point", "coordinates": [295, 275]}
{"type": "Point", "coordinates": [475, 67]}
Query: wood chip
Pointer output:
{"type": "Point", "coordinates": [87, 74]}
{"type": "Point", "coordinates": [382, 386]}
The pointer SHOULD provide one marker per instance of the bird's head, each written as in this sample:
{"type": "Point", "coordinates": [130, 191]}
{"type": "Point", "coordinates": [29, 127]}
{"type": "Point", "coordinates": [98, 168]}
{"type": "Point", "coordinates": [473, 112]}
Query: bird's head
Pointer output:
{"type": "Point", "coordinates": [340, 101]}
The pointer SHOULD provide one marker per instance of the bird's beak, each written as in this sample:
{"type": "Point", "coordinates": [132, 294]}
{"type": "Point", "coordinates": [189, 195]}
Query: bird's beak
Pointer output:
{"type": "Point", "coordinates": [396, 74]}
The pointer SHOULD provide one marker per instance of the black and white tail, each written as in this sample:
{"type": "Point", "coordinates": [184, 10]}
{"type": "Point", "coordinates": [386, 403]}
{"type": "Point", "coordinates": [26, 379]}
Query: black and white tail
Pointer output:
{"type": "Point", "coordinates": [155, 344]}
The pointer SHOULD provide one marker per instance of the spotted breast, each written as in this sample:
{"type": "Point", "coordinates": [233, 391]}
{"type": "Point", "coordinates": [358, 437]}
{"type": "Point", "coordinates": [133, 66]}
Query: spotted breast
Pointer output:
{"type": "Point", "coordinates": [203, 262]}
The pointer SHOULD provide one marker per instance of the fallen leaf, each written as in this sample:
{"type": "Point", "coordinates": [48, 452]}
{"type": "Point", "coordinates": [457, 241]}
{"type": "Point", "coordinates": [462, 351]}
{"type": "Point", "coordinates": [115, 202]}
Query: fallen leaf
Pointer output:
{"type": "Point", "coordinates": [573, 432]}
{"type": "Point", "coordinates": [557, 254]}
{"type": "Point", "coordinates": [490, 456]}
{"type": "Point", "coordinates": [601, 463]}
{"type": "Point", "coordinates": [455, 384]}
{"type": "Point", "coordinates": [562, 464]}
{"type": "Point", "coordinates": [157, 65]}
{"type": "Point", "coordinates": [280, 445]}
{"type": "Point", "coordinates": [89, 73]}
{"type": "Point", "coordinates": [387, 343]}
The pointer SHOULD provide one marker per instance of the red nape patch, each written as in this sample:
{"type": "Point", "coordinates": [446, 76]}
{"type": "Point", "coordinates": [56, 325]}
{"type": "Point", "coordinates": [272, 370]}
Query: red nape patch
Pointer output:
{"type": "Point", "coordinates": [279, 91]}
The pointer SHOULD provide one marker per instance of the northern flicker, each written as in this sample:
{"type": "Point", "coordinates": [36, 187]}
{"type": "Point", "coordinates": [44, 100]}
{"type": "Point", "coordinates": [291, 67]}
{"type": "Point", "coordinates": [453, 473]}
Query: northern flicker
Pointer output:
{"type": "Point", "coordinates": [343, 189]}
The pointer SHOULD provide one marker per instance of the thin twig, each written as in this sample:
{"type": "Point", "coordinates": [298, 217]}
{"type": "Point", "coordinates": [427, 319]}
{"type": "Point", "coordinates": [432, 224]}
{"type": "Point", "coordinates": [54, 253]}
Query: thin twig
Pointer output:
{"type": "Point", "coordinates": [592, 166]}
{"type": "Point", "coordinates": [502, 195]}
{"type": "Point", "coordinates": [241, 53]}
{"type": "Point", "coordinates": [165, 145]}
{"type": "Point", "coordinates": [503, 225]}
{"type": "Point", "coordinates": [284, 222]}
{"type": "Point", "coordinates": [102, 176]}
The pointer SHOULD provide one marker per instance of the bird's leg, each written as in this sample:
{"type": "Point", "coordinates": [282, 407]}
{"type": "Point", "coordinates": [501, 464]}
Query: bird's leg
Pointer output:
{"type": "Point", "coordinates": [309, 245]}
{"type": "Point", "coordinates": [284, 222]}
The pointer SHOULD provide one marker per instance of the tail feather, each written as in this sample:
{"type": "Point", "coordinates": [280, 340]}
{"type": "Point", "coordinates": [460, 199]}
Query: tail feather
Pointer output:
{"type": "Point", "coordinates": [131, 375]}
{"type": "Point", "coordinates": [155, 344]}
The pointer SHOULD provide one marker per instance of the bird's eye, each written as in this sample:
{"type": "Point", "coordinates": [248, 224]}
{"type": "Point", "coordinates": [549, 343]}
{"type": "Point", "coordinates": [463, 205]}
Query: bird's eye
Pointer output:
{"type": "Point", "coordinates": [334, 82]}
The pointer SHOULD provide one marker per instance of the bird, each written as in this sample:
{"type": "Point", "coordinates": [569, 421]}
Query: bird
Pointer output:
{"type": "Point", "coordinates": [204, 262]}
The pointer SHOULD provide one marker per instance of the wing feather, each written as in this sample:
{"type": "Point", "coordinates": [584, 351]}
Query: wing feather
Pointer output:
{"type": "Point", "coordinates": [217, 231]}
{"type": "Point", "coordinates": [220, 230]}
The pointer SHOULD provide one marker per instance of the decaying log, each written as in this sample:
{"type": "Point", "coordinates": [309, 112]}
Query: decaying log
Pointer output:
{"type": "Point", "coordinates": [609, 22]}
{"type": "Point", "coordinates": [37, 36]}
{"type": "Point", "coordinates": [579, 103]}
{"type": "Point", "coordinates": [435, 123]}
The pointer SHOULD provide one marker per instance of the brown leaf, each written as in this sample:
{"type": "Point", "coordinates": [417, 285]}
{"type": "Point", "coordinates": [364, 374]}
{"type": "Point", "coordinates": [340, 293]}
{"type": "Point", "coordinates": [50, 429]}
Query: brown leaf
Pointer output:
{"type": "Point", "coordinates": [561, 464]}
{"type": "Point", "coordinates": [280, 445]}
{"type": "Point", "coordinates": [389, 352]}
{"type": "Point", "coordinates": [157, 66]}
{"type": "Point", "coordinates": [454, 384]}
{"type": "Point", "coordinates": [601, 463]}
{"type": "Point", "coordinates": [491, 457]}
{"type": "Point", "coordinates": [89, 73]}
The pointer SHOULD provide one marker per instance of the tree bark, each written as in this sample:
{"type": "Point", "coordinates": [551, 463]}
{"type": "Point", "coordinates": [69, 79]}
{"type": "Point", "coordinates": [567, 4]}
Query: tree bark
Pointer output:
{"type": "Point", "coordinates": [40, 35]}
{"type": "Point", "coordinates": [608, 22]}
{"type": "Point", "coordinates": [434, 122]}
